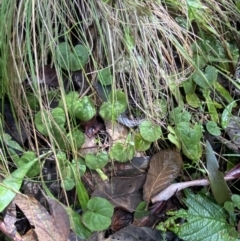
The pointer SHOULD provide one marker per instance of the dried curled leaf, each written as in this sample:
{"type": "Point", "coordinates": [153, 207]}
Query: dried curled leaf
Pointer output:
{"type": "Point", "coordinates": [164, 168]}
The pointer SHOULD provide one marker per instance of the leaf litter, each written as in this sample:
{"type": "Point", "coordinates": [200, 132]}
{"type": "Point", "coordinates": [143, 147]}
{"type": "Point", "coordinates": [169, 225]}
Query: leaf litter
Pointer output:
{"type": "Point", "coordinates": [165, 166]}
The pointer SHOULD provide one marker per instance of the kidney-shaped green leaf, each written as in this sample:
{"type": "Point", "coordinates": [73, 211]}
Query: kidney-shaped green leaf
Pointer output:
{"type": "Point", "coordinates": [96, 161]}
{"type": "Point", "coordinates": [98, 216]}
{"type": "Point", "coordinates": [84, 109]}
{"type": "Point", "coordinates": [150, 132]}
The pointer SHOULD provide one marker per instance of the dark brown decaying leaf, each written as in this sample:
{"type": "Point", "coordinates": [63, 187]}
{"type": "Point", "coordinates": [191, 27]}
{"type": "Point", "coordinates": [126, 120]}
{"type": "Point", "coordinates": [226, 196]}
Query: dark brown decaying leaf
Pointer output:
{"type": "Point", "coordinates": [48, 76]}
{"type": "Point", "coordinates": [120, 219]}
{"type": "Point", "coordinates": [164, 168]}
{"type": "Point", "coordinates": [47, 227]}
{"type": "Point", "coordinates": [122, 192]}
{"type": "Point", "coordinates": [143, 233]}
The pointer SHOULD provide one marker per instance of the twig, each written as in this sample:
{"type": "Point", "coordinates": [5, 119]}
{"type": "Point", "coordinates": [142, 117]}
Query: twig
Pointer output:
{"type": "Point", "coordinates": [175, 187]}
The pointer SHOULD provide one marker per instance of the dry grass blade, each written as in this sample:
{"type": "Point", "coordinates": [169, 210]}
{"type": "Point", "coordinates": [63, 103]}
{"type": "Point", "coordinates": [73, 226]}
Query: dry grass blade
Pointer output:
{"type": "Point", "coordinates": [164, 168]}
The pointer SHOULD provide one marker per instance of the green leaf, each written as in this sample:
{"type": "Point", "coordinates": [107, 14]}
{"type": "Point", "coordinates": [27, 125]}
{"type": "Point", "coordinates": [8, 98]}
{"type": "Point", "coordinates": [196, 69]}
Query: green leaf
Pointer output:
{"type": "Point", "coordinates": [207, 79]}
{"type": "Point", "coordinates": [40, 121]}
{"type": "Point", "coordinates": [211, 105]}
{"type": "Point", "coordinates": [200, 61]}
{"type": "Point", "coordinates": [55, 121]}
{"type": "Point", "coordinates": [96, 161]}
{"type": "Point", "coordinates": [59, 117]}
{"type": "Point", "coordinates": [223, 92]}
{"type": "Point", "coordinates": [140, 143]}
{"type": "Point", "coordinates": [236, 200]}
{"type": "Point", "coordinates": [206, 221]}
{"type": "Point", "coordinates": [193, 100]}
{"type": "Point", "coordinates": [108, 112]}
{"type": "Point", "coordinates": [141, 210]}
{"type": "Point", "coordinates": [161, 106]}
{"type": "Point", "coordinates": [216, 178]}
{"type": "Point", "coordinates": [84, 109]}
{"type": "Point", "coordinates": [77, 225]}
{"type": "Point", "coordinates": [117, 105]}
{"type": "Point", "coordinates": [212, 128]}
{"type": "Point", "coordinates": [98, 216]}
{"type": "Point", "coordinates": [70, 99]}
{"type": "Point", "coordinates": [122, 153]}
{"type": "Point", "coordinates": [82, 193]}
{"type": "Point", "coordinates": [79, 165]}
{"type": "Point", "coordinates": [7, 139]}
{"type": "Point", "coordinates": [81, 53]}
{"type": "Point", "coordinates": [119, 101]}
{"type": "Point", "coordinates": [190, 139]}
{"type": "Point", "coordinates": [150, 132]}
{"type": "Point", "coordinates": [173, 138]}
{"type": "Point", "coordinates": [227, 114]}
{"type": "Point", "coordinates": [11, 184]}
{"type": "Point", "coordinates": [78, 139]}
{"type": "Point", "coordinates": [105, 76]}
{"type": "Point", "coordinates": [27, 157]}
{"type": "Point", "coordinates": [68, 183]}
{"type": "Point", "coordinates": [71, 60]}
{"type": "Point", "coordinates": [178, 115]}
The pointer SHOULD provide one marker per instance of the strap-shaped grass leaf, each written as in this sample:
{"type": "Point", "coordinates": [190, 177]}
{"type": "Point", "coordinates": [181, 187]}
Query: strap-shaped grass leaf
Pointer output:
{"type": "Point", "coordinates": [218, 184]}
{"type": "Point", "coordinates": [206, 221]}
{"type": "Point", "coordinates": [225, 119]}
{"type": "Point", "coordinates": [11, 184]}
{"type": "Point", "coordinates": [164, 168]}
{"type": "Point", "coordinates": [99, 214]}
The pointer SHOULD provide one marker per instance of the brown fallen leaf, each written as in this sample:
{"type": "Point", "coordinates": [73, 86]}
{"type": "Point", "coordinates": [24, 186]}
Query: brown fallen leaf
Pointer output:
{"type": "Point", "coordinates": [48, 75]}
{"type": "Point", "coordinates": [143, 233]}
{"type": "Point", "coordinates": [120, 219]}
{"type": "Point", "coordinates": [122, 192]}
{"type": "Point", "coordinates": [48, 227]}
{"type": "Point", "coordinates": [164, 168]}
